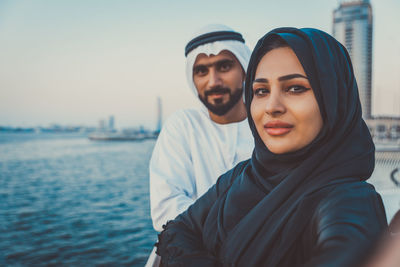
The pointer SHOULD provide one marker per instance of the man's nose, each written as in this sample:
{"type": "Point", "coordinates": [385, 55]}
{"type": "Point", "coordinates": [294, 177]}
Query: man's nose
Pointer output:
{"type": "Point", "coordinates": [214, 79]}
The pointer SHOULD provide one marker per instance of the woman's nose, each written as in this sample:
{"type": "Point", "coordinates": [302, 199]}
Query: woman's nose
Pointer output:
{"type": "Point", "coordinates": [274, 105]}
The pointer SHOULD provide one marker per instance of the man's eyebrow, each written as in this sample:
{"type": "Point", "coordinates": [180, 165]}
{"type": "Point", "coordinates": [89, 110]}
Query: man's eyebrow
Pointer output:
{"type": "Point", "coordinates": [199, 66]}
{"type": "Point", "coordinates": [219, 62]}
{"type": "Point", "coordinates": [224, 61]}
{"type": "Point", "coordinates": [282, 78]}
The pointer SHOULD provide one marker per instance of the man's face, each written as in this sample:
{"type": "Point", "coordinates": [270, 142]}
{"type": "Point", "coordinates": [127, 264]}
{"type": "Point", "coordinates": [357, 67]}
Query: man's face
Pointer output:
{"type": "Point", "coordinates": [219, 81]}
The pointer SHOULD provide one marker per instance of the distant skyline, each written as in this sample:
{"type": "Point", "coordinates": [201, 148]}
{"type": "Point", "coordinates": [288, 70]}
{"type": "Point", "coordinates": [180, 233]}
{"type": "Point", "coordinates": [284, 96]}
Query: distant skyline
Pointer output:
{"type": "Point", "coordinates": [76, 62]}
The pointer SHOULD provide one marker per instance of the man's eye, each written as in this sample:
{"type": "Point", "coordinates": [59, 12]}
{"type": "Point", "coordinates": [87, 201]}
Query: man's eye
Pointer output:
{"type": "Point", "coordinates": [260, 92]}
{"type": "Point", "coordinates": [225, 66]}
{"type": "Point", "coordinates": [297, 89]}
{"type": "Point", "coordinates": [200, 70]}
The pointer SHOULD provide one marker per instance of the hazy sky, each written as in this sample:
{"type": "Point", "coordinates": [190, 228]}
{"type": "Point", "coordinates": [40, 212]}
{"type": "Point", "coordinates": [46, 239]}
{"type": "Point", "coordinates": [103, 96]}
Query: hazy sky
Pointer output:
{"type": "Point", "coordinates": [76, 62]}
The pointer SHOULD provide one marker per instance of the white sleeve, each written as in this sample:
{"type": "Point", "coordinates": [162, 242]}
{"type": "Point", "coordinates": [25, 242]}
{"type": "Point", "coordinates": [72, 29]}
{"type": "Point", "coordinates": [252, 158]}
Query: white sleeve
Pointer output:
{"type": "Point", "coordinates": [172, 183]}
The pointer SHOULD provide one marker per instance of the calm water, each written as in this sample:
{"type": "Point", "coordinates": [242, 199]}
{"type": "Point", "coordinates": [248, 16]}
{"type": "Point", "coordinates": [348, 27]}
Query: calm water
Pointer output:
{"type": "Point", "coordinates": [68, 201]}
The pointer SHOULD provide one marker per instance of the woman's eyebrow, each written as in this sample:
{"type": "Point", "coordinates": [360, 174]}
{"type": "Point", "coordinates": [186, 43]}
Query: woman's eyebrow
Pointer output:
{"type": "Point", "coordinates": [282, 78]}
{"type": "Point", "coordinates": [291, 76]}
{"type": "Point", "coordinates": [260, 80]}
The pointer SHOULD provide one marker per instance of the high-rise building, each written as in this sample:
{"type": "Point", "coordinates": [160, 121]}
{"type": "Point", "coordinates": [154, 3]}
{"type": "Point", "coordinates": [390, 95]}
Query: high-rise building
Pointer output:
{"type": "Point", "coordinates": [352, 26]}
{"type": "Point", "coordinates": [111, 123]}
{"type": "Point", "coordinates": [159, 115]}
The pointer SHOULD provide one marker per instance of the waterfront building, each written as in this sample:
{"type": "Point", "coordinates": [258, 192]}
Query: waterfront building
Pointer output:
{"type": "Point", "coordinates": [352, 26]}
{"type": "Point", "coordinates": [101, 125]}
{"type": "Point", "coordinates": [385, 128]}
{"type": "Point", "coordinates": [111, 122]}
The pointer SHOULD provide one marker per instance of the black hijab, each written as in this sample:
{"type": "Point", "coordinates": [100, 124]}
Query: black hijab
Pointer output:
{"type": "Point", "coordinates": [252, 225]}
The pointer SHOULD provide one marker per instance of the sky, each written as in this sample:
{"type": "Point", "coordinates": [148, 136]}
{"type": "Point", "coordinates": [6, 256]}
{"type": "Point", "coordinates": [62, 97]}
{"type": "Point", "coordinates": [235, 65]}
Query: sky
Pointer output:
{"type": "Point", "coordinates": [75, 62]}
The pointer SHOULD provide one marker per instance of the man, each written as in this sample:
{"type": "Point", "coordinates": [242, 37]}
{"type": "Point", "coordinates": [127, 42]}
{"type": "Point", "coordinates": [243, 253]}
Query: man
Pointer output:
{"type": "Point", "coordinates": [196, 146]}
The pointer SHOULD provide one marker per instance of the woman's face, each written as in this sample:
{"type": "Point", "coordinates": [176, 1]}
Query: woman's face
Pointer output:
{"type": "Point", "coordinates": [284, 109]}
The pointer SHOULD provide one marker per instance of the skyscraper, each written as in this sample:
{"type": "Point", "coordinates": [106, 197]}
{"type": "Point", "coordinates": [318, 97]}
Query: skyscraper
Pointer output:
{"type": "Point", "coordinates": [159, 115]}
{"type": "Point", "coordinates": [111, 123]}
{"type": "Point", "coordinates": [352, 26]}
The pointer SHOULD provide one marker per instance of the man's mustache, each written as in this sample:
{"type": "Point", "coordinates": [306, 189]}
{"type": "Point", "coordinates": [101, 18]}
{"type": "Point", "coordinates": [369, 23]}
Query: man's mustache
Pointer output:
{"type": "Point", "coordinates": [217, 90]}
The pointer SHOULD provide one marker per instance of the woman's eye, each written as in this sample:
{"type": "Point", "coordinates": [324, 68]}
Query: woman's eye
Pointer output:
{"type": "Point", "coordinates": [297, 89]}
{"type": "Point", "coordinates": [260, 91]}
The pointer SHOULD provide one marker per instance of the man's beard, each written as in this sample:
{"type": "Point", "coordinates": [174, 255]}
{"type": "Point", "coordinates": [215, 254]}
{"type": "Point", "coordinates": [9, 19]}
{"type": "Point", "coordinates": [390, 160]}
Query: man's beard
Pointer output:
{"type": "Point", "coordinates": [220, 109]}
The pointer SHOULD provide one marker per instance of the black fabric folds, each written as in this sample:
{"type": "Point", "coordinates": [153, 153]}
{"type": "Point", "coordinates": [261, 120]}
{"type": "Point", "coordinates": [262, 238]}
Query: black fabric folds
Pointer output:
{"type": "Point", "coordinates": [343, 152]}
{"type": "Point", "coordinates": [311, 206]}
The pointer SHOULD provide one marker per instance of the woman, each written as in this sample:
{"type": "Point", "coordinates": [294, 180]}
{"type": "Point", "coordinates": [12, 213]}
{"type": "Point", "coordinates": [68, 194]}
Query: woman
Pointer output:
{"type": "Point", "coordinates": [302, 199]}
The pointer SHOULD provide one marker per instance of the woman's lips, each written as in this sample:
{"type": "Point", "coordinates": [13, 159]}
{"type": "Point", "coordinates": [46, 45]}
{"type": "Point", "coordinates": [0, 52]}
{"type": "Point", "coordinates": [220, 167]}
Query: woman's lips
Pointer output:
{"type": "Point", "coordinates": [277, 128]}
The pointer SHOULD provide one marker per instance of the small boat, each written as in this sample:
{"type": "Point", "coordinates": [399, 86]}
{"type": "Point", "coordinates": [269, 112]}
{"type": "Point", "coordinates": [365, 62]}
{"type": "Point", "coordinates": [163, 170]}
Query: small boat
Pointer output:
{"type": "Point", "coordinates": [121, 136]}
